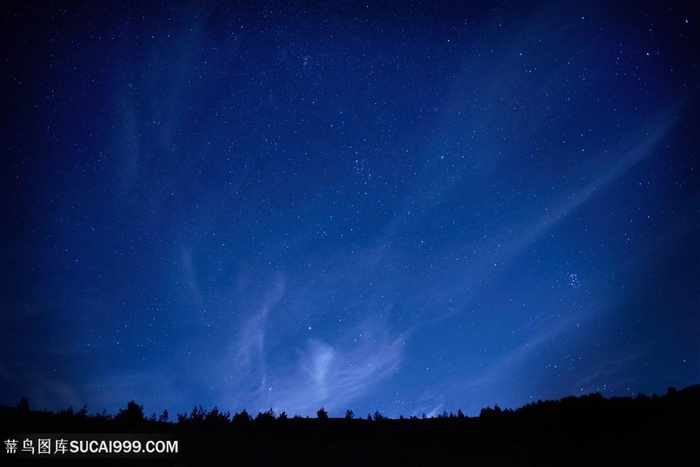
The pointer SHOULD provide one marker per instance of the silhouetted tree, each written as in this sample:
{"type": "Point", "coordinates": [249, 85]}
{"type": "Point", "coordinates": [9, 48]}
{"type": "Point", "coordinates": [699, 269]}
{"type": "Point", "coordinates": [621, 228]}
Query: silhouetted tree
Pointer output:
{"type": "Point", "coordinates": [349, 415]}
{"type": "Point", "coordinates": [23, 404]}
{"type": "Point", "coordinates": [215, 418]}
{"type": "Point", "coordinates": [268, 415]}
{"type": "Point", "coordinates": [164, 416]}
{"type": "Point", "coordinates": [321, 414]}
{"type": "Point", "coordinates": [198, 414]}
{"type": "Point", "coordinates": [460, 414]}
{"type": "Point", "coordinates": [378, 415]}
{"type": "Point", "coordinates": [283, 416]}
{"type": "Point", "coordinates": [103, 415]}
{"type": "Point", "coordinates": [132, 414]}
{"type": "Point", "coordinates": [241, 417]}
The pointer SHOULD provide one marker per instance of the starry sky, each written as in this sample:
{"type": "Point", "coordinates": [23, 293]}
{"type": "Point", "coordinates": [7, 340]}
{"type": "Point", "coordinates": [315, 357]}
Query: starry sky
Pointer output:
{"type": "Point", "coordinates": [399, 206]}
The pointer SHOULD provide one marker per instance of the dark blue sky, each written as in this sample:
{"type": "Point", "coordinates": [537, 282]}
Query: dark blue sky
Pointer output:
{"type": "Point", "coordinates": [407, 207]}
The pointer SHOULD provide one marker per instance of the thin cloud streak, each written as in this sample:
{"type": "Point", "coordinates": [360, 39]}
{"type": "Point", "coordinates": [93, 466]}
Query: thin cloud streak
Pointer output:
{"type": "Point", "coordinates": [251, 342]}
{"type": "Point", "coordinates": [333, 376]}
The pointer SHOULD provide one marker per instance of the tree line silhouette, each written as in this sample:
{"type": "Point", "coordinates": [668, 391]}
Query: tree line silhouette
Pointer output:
{"type": "Point", "coordinates": [583, 430]}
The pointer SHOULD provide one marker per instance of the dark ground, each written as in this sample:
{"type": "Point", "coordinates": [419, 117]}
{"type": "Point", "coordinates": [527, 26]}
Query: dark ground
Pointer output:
{"type": "Point", "coordinates": [574, 431]}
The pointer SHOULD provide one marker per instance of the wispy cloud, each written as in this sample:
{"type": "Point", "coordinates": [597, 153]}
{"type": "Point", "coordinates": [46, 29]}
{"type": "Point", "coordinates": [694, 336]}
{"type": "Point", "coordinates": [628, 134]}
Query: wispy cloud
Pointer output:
{"type": "Point", "coordinates": [239, 377]}
{"type": "Point", "coordinates": [251, 339]}
{"type": "Point", "coordinates": [334, 375]}
{"type": "Point", "coordinates": [325, 372]}
{"type": "Point", "coordinates": [642, 148]}
{"type": "Point", "coordinates": [191, 281]}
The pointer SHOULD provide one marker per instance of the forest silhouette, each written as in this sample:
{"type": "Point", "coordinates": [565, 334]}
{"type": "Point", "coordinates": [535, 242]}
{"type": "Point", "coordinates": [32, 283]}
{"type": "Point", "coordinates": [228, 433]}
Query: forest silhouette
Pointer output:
{"type": "Point", "coordinates": [574, 431]}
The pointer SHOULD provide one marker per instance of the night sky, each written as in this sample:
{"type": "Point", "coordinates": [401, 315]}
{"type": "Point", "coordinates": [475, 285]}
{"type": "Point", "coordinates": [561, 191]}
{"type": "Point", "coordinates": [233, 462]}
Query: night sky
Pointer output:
{"type": "Point", "coordinates": [408, 207]}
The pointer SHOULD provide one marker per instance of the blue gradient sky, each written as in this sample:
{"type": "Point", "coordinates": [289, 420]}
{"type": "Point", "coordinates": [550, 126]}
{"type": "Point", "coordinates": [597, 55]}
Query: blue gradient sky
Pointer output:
{"type": "Point", "coordinates": [407, 207]}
